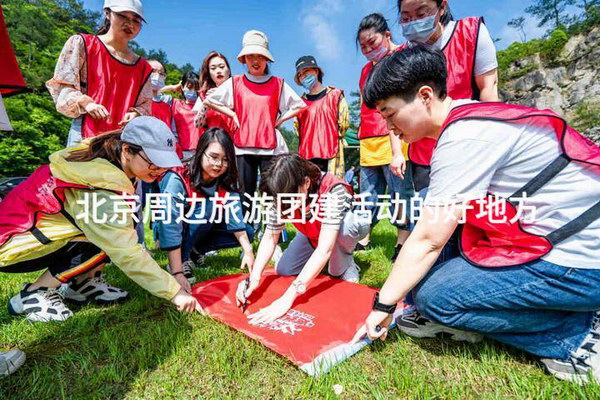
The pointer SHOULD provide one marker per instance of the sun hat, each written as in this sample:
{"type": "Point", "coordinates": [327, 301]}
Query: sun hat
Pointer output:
{"type": "Point", "coordinates": [255, 42]}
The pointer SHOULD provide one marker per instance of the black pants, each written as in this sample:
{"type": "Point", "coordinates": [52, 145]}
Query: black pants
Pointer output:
{"type": "Point", "coordinates": [248, 166]}
{"type": "Point", "coordinates": [66, 263]}
{"type": "Point", "coordinates": [322, 163]}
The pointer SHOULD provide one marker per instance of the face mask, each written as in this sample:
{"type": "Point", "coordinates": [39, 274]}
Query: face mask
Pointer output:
{"type": "Point", "coordinates": [378, 54]}
{"type": "Point", "coordinates": [157, 81]}
{"type": "Point", "coordinates": [190, 95]}
{"type": "Point", "coordinates": [420, 30]}
{"type": "Point", "coordinates": [309, 81]}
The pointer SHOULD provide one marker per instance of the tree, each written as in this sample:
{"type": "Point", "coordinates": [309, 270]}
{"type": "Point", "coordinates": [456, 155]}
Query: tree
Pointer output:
{"type": "Point", "coordinates": [519, 25]}
{"type": "Point", "coordinates": [550, 11]}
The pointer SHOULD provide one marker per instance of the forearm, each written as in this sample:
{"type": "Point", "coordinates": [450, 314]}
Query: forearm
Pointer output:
{"type": "Point", "coordinates": [220, 108]}
{"type": "Point", "coordinates": [174, 257]}
{"type": "Point", "coordinates": [289, 114]}
{"type": "Point", "coordinates": [396, 143]}
{"type": "Point", "coordinates": [243, 240]}
{"type": "Point", "coordinates": [488, 86]}
{"type": "Point", "coordinates": [265, 251]}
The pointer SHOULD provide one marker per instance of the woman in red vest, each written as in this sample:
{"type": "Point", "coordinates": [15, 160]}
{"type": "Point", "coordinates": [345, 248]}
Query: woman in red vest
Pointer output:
{"type": "Point", "coordinates": [320, 207]}
{"type": "Point", "coordinates": [70, 218]}
{"type": "Point", "coordinates": [183, 115]}
{"type": "Point", "coordinates": [161, 103]}
{"type": "Point", "coordinates": [99, 81]}
{"type": "Point", "coordinates": [377, 143]}
{"type": "Point", "coordinates": [527, 187]}
{"type": "Point", "coordinates": [214, 72]}
{"type": "Point", "coordinates": [258, 103]}
{"type": "Point", "coordinates": [210, 175]}
{"type": "Point", "coordinates": [321, 126]}
{"type": "Point", "coordinates": [472, 63]}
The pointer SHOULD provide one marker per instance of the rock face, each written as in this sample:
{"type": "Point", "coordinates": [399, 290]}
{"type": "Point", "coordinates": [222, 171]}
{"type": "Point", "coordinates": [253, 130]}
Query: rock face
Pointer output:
{"type": "Point", "coordinates": [562, 86]}
{"type": "Point", "coordinates": [594, 134]}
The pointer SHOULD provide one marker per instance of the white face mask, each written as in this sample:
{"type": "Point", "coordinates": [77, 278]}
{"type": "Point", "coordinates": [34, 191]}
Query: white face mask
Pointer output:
{"type": "Point", "coordinates": [157, 81]}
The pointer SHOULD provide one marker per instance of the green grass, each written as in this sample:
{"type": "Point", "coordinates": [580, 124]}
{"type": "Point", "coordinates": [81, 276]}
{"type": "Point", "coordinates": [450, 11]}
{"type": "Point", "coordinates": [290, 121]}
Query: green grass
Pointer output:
{"type": "Point", "coordinates": [145, 349]}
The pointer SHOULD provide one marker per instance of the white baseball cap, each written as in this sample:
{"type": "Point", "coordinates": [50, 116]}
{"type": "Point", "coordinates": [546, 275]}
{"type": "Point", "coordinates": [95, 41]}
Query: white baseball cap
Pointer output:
{"type": "Point", "coordinates": [126, 5]}
{"type": "Point", "coordinates": [255, 42]}
{"type": "Point", "coordinates": [155, 138]}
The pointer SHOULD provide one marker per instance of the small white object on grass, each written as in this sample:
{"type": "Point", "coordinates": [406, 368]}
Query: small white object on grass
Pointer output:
{"type": "Point", "coordinates": [338, 389]}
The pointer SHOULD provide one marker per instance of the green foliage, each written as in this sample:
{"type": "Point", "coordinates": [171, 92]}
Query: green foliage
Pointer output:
{"type": "Point", "coordinates": [552, 46]}
{"type": "Point", "coordinates": [586, 115]}
{"type": "Point", "coordinates": [290, 138]}
{"type": "Point", "coordinates": [38, 30]}
{"type": "Point", "coordinates": [550, 11]}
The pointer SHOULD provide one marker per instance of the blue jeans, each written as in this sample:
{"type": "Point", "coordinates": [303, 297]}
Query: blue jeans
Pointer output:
{"type": "Point", "coordinates": [207, 237]}
{"type": "Point", "coordinates": [540, 307]}
{"type": "Point", "coordinates": [375, 181]}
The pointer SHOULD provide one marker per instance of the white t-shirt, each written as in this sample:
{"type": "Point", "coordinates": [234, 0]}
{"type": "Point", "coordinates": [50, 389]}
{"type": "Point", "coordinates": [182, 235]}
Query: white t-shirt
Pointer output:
{"type": "Point", "coordinates": [485, 57]}
{"type": "Point", "coordinates": [476, 157]}
{"type": "Point", "coordinates": [289, 100]}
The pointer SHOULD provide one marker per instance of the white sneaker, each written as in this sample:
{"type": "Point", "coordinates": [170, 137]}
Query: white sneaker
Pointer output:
{"type": "Point", "coordinates": [94, 289]}
{"type": "Point", "coordinates": [416, 325]}
{"type": "Point", "coordinates": [10, 361]}
{"type": "Point", "coordinates": [352, 274]}
{"type": "Point", "coordinates": [583, 366]}
{"type": "Point", "coordinates": [41, 305]}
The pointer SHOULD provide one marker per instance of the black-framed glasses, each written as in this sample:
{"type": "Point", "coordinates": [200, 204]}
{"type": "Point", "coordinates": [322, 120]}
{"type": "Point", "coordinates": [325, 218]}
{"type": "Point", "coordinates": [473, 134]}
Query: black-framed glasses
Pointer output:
{"type": "Point", "coordinates": [216, 160]}
{"type": "Point", "coordinates": [151, 165]}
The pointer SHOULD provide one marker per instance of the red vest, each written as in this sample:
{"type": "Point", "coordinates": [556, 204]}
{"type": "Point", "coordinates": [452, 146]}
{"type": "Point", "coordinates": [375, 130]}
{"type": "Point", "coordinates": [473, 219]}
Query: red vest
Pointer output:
{"type": "Point", "coordinates": [11, 79]}
{"type": "Point", "coordinates": [319, 129]}
{"type": "Point", "coordinates": [184, 174]}
{"type": "Point", "coordinates": [312, 230]}
{"type": "Point", "coordinates": [215, 119]}
{"type": "Point", "coordinates": [256, 106]}
{"type": "Point", "coordinates": [162, 111]}
{"type": "Point", "coordinates": [372, 124]}
{"type": "Point", "coordinates": [23, 206]}
{"type": "Point", "coordinates": [460, 52]}
{"type": "Point", "coordinates": [111, 83]}
{"type": "Point", "coordinates": [183, 117]}
{"type": "Point", "coordinates": [489, 244]}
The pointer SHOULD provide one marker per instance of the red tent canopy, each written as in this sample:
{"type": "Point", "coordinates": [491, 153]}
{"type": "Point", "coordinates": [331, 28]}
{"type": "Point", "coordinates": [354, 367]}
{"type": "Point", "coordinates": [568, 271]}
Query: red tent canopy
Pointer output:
{"type": "Point", "coordinates": [11, 79]}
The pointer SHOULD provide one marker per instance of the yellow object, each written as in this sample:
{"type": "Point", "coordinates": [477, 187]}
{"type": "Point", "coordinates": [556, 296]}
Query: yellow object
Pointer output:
{"type": "Point", "coordinates": [118, 240]}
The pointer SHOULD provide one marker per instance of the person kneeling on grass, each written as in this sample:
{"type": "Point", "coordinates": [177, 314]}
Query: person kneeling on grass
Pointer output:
{"type": "Point", "coordinates": [66, 219]}
{"type": "Point", "coordinates": [543, 294]}
{"type": "Point", "coordinates": [212, 177]}
{"type": "Point", "coordinates": [330, 235]}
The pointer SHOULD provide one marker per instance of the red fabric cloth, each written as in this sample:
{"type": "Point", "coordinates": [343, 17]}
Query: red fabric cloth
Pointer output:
{"type": "Point", "coordinates": [256, 106]}
{"type": "Point", "coordinates": [112, 83]}
{"type": "Point", "coordinates": [183, 117]}
{"type": "Point", "coordinates": [11, 79]}
{"type": "Point", "coordinates": [319, 129]}
{"type": "Point", "coordinates": [321, 321]}
{"type": "Point", "coordinates": [162, 111]}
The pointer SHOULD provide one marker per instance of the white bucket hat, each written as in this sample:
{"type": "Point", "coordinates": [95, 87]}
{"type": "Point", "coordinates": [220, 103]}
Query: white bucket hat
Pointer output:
{"type": "Point", "coordinates": [126, 5]}
{"type": "Point", "coordinates": [255, 42]}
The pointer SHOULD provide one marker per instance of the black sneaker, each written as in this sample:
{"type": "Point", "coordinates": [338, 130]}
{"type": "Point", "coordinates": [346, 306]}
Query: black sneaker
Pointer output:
{"type": "Point", "coordinates": [187, 268]}
{"type": "Point", "coordinates": [583, 366]}
{"type": "Point", "coordinates": [416, 325]}
{"type": "Point", "coordinates": [95, 290]}
{"type": "Point", "coordinates": [396, 252]}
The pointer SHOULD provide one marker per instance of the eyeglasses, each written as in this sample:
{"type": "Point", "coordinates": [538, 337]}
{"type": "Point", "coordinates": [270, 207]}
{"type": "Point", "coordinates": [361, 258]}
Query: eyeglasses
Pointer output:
{"type": "Point", "coordinates": [151, 165]}
{"type": "Point", "coordinates": [134, 21]}
{"type": "Point", "coordinates": [216, 160]}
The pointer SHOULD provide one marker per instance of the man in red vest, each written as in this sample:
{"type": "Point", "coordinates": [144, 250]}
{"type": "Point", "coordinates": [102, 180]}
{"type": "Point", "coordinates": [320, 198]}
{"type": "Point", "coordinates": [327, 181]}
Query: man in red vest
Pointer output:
{"type": "Point", "coordinates": [527, 187]}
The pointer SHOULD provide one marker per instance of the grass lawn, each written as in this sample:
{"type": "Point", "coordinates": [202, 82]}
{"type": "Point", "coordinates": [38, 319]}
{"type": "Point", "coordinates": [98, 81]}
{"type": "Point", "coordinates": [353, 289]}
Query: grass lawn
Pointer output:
{"type": "Point", "coordinates": [145, 349]}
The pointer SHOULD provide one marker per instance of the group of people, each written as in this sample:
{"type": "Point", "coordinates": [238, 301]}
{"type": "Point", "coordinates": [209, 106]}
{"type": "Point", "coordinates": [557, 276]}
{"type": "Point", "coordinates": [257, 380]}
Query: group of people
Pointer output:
{"type": "Point", "coordinates": [430, 123]}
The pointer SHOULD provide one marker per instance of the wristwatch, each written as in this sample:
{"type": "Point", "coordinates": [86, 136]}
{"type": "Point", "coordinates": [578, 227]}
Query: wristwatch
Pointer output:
{"type": "Point", "coordinates": [299, 286]}
{"type": "Point", "coordinates": [386, 308]}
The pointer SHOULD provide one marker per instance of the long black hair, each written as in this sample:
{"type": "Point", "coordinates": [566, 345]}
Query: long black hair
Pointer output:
{"type": "Point", "coordinates": [105, 27]}
{"type": "Point", "coordinates": [230, 179]}
{"type": "Point", "coordinates": [444, 19]}
{"type": "Point", "coordinates": [375, 21]}
{"type": "Point", "coordinates": [190, 77]}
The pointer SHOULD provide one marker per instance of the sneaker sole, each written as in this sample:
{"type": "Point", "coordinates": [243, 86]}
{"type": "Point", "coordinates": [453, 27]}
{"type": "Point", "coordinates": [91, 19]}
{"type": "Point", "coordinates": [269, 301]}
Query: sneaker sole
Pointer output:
{"type": "Point", "coordinates": [12, 309]}
{"type": "Point", "coordinates": [457, 336]}
{"type": "Point", "coordinates": [15, 364]}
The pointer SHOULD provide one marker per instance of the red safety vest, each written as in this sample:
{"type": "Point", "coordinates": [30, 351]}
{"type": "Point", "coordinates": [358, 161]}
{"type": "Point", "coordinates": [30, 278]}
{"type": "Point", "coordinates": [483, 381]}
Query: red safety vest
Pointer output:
{"type": "Point", "coordinates": [256, 106]}
{"type": "Point", "coordinates": [489, 244]}
{"type": "Point", "coordinates": [183, 117]}
{"type": "Point", "coordinates": [460, 52]}
{"type": "Point", "coordinates": [215, 119]}
{"type": "Point", "coordinates": [184, 174]}
{"type": "Point", "coordinates": [111, 83]}
{"type": "Point", "coordinates": [312, 230]}
{"type": "Point", "coordinates": [23, 206]}
{"type": "Point", "coordinates": [319, 129]}
{"type": "Point", "coordinates": [162, 111]}
{"type": "Point", "coordinates": [372, 124]}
